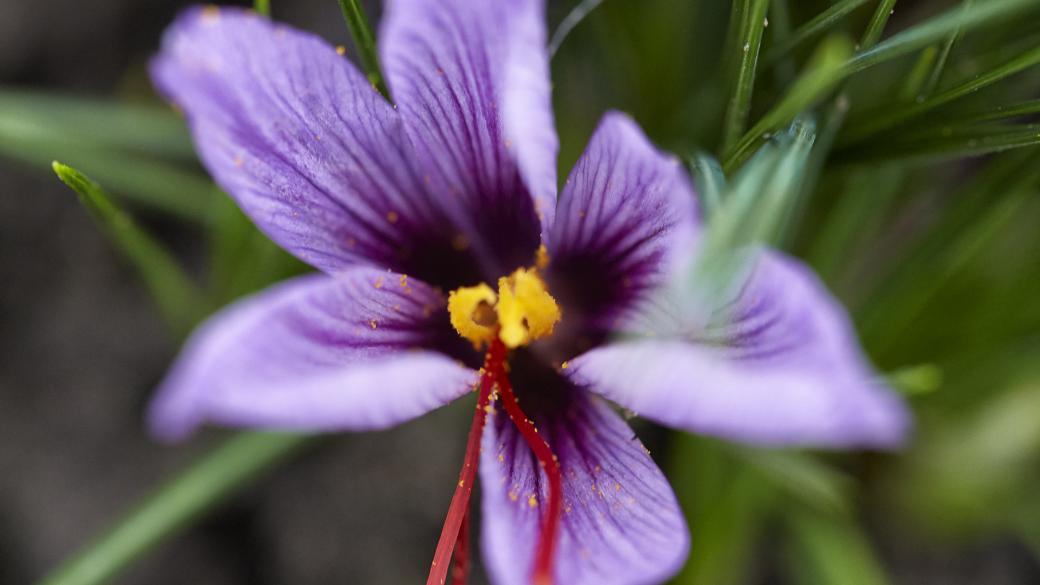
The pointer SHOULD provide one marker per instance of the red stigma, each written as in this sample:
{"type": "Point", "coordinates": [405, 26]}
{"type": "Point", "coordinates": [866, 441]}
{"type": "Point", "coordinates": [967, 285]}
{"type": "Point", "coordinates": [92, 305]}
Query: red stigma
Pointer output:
{"type": "Point", "coordinates": [544, 555]}
{"type": "Point", "coordinates": [455, 532]}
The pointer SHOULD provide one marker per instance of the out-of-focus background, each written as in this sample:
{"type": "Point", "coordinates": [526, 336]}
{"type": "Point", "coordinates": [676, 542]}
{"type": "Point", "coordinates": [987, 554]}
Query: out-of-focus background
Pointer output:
{"type": "Point", "coordinates": [937, 255]}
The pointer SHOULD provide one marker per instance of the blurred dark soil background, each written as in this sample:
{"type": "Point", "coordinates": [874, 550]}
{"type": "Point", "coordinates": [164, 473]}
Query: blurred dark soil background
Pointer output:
{"type": "Point", "coordinates": [81, 349]}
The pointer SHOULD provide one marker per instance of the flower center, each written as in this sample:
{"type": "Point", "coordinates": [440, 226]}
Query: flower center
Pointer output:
{"type": "Point", "coordinates": [522, 311]}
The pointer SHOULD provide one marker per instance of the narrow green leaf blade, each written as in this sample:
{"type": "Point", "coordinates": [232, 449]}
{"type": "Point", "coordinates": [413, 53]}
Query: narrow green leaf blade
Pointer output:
{"type": "Point", "coordinates": [944, 55]}
{"type": "Point", "coordinates": [726, 506]}
{"type": "Point", "coordinates": [749, 44]}
{"type": "Point", "coordinates": [210, 480]}
{"type": "Point", "coordinates": [821, 75]}
{"type": "Point", "coordinates": [938, 28]}
{"type": "Point", "coordinates": [828, 549]}
{"type": "Point", "coordinates": [710, 181]}
{"type": "Point", "coordinates": [881, 120]}
{"type": "Point", "coordinates": [43, 116]}
{"type": "Point", "coordinates": [365, 42]}
{"type": "Point", "coordinates": [817, 25]}
{"type": "Point", "coordinates": [800, 476]}
{"type": "Point", "coordinates": [876, 26]}
{"type": "Point", "coordinates": [569, 22]}
{"type": "Point", "coordinates": [173, 291]}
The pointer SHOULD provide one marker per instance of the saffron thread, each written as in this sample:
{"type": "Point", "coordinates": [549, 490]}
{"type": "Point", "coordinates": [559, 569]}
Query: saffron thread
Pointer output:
{"type": "Point", "coordinates": [460, 570]}
{"type": "Point", "coordinates": [547, 460]}
{"type": "Point", "coordinates": [458, 510]}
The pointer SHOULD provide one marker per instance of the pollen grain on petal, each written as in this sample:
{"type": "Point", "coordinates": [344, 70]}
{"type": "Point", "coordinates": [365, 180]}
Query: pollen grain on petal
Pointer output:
{"type": "Point", "coordinates": [210, 13]}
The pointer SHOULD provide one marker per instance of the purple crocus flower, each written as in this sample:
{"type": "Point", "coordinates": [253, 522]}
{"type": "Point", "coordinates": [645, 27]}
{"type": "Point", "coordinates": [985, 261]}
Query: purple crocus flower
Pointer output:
{"type": "Point", "coordinates": [447, 266]}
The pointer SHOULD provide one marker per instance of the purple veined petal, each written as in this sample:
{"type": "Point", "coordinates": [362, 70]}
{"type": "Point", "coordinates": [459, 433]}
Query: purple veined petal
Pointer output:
{"type": "Point", "coordinates": [626, 209]}
{"type": "Point", "coordinates": [784, 369]}
{"type": "Point", "coordinates": [470, 78]}
{"type": "Point", "coordinates": [621, 522]}
{"type": "Point", "coordinates": [356, 351]}
{"type": "Point", "coordinates": [309, 150]}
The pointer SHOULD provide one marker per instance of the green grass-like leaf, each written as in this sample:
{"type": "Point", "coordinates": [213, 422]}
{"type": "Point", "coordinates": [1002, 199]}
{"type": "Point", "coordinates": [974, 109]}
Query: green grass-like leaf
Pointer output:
{"type": "Point", "coordinates": [748, 45]}
{"type": "Point", "coordinates": [816, 26]}
{"type": "Point", "coordinates": [207, 482]}
{"type": "Point", "coordinates": [365, 42]}
{"type": "Point", "coordinates": [935, 29]}
{"type": "Point", "coordinates": [829, 548]}
{"type": "Point", "coordinates": [875, 122]}
{"type": "Point", "coordinates": [817, 79]}
{"type": "Point", "coordinates": [171, 288]}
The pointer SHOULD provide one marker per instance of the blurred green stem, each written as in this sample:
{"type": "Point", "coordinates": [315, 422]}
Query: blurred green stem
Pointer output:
{"type": "Point", "coordinates": [944, 56]}
{"type": "Point", "coordinates": [365, 42]}
{"type": "Point", "coordinates": [876, 28]}
{"type": "Point", "coordinates": [198, 489]}
{"type": "Point", "coordinates": [573, 19]}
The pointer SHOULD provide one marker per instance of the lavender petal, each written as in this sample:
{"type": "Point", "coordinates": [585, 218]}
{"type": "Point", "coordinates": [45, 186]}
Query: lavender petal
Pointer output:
{"type": "Point", "coordinates": [357, 351]}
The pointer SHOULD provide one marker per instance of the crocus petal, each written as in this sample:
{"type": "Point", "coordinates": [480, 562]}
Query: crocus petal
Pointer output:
{"type": "Point", "coordinates": [470, 78]}
{"type": "Point", "coordinates": [621, 522]}
{"type": "Point", "coordinates": [624, 212]}
{"type": "Point", "coordinates": [784, 369]}
{"type": "Point", "coordinates": [309, 150]}
{"type": "Point", "coordinates": [352, 352]}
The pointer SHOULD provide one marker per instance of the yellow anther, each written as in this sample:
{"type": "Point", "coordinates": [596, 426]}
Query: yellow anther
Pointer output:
{"type": "Point", "coordinates": [526, 310]}
{"type": "Point", "coordinates": [522, 311]}
{"type": "Point", "coordinates": [472, 313]}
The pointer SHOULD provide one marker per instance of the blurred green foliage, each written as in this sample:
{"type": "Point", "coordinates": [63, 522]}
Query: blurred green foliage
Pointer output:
{"type": "Point", "coordinates": [913, 190]}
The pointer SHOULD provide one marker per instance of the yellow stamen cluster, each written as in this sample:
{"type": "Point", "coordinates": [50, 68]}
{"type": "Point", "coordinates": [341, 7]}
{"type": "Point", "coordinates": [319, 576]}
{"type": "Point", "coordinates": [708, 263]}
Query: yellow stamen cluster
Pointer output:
{"type": "Point", "coordinates": [522, 311]}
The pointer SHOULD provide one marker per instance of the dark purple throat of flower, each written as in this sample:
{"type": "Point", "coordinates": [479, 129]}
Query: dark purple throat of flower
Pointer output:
{"type": "Point", "coordinates": [521, 312]}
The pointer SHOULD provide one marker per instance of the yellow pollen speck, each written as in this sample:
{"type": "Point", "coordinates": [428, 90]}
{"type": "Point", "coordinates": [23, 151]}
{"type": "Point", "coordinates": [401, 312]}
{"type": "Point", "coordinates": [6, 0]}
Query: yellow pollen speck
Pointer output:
{"type": "Point", "coordinates": [564, 365]}
{"type": "Point", "coordinates": [460, 242]}
{"type": "Point", "coordinates": [373, 323]}
{"type": "Point", "coordinates": [501, 458]}
{"type": "Point", "coordinates": [541, 258]}
{"type": "Point", "coordinates": [210, 14]}
{"type": "Point", "coordinates": [392, 217]}
{"type": "Point", "coordinates": [532, 501]}
{"type": "Point", "coordinates": [462, 482]}
{"type": "Point", "coordinates": [379, 282]}
{"type": "Point", "coordinates": [341, 50]}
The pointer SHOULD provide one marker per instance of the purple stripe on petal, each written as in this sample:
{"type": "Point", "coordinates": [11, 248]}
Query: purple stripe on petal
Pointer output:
{"type": "Point", "coordinates": [308, 149]}
{"type": "Point", "coordinates": [784, 368]}
{"type": "Point", "coordinates": [357, 351]}
{"type": "Point", "coordinates": [625, 210]}
{"type": "Point", "coordinates": [470, 78]}
{"type": "Point", "coordinates": [621, 522]}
